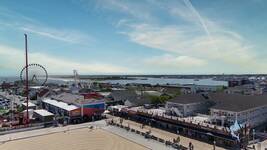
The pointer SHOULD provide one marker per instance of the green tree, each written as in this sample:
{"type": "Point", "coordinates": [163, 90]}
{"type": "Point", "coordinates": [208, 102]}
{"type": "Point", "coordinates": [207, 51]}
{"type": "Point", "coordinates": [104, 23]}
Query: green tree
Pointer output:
{"type": "Point", "coordinates": [159, 99]}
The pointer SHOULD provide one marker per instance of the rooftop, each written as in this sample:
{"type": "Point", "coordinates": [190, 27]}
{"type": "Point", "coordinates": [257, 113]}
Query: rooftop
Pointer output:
{"type": "Point", "coordinates": [122, 95]}
{"type": "Point", "coordinates": [224, 101]}
{"type": "Point", "coordinates": [188, 98]}
{"type": "Point", "coordinates": [74, 99]}
{"type": "Point", "coordinates": [61, 105]}
{"type": "Point", "coordinates": [237, 102]}
{"type": "Point", "coordinates": [43, 112]}
{"type": "Point", "coordinates": [30, 104]}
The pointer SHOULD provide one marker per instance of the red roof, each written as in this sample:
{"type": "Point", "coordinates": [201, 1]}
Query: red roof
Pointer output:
{"type": "Point", "coordinates": [92, 95]}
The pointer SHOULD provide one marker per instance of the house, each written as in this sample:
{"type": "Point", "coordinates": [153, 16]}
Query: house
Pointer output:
{"type": "Point", "coordinates": [123, 96]}
{"type": "Point", "coordinates": [131, 98]}
{"type": "Point", "coordinates": [138, 101]}
{"type": "Point", "coordinates": [188, 105]}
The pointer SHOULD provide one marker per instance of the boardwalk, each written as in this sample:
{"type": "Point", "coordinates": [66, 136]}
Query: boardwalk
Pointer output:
{"type": "Point", "coordinates": [168, 136]}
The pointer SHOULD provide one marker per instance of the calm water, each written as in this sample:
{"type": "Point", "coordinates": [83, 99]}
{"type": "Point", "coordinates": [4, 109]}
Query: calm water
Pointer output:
{"type": "Point", "coordinates": [152, 81]}
{"type": "Point", "coordinates": [9, 79]}
{"type": "Point", "coordinates": [163, 81]}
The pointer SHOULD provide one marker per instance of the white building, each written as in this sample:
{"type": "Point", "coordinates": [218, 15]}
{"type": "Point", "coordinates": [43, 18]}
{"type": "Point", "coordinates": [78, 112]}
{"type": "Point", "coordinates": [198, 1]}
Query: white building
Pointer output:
{"type": "Point", "coordinates": [246, 109]}
{"type": "Point", "coordinates": [187, 105]}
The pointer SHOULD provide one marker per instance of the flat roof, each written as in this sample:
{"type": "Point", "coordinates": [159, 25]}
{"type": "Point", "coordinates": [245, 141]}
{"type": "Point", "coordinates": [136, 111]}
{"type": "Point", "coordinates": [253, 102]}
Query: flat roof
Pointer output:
{"type": "Point", "coordinates": [237, 102]}
{"type": "Point", "coordinates": [61, 105]}
{"type": "Point", "coordinates": [74, 99]}
{"type": "Point", "coordinates": [104, 93]}
{"type": "Point", "coordinates": [43, 112]}
{"type": "Point", "coordinates": [188, 99]}
{"type": "Point", "coordinates": [30, 104]}
{"type": "Point", "coordinates": [36, 87]}
{"type": "Point", "coordinates": [224, 101]}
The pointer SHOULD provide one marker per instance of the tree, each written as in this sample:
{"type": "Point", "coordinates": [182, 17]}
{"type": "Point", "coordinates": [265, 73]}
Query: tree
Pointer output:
{"type": "Point", "coordinates": [20, 108]}
{"type": "Point", "coordinates": [159, 99]}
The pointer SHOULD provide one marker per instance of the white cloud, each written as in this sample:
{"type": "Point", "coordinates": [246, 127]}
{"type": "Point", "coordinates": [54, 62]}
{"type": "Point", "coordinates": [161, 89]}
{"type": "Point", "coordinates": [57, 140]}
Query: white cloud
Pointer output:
{"type": "Point", "coordinates": [14, 59]}
{"type": "Point", "coordinates": [13, 20]}
{"type": "Point", "coordinates": [194, 37]}
{"type": "Point", "coordinates": [132, 8]}
{"type": "Point", "coordinates": [168, 60]}
{"type": "Point", "coordinates": [226, 47]}
{"type": "Point", "coordinates": [66, 35]}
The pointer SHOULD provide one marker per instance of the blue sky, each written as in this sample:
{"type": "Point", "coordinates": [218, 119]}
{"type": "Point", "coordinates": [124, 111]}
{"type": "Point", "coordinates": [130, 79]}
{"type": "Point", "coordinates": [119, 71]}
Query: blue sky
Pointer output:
{"type": "Point", "coordinates": [135, 36]}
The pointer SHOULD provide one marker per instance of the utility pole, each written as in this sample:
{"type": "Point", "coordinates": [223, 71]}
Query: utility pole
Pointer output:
{"type": "Point", "coordinates": [27, 80]}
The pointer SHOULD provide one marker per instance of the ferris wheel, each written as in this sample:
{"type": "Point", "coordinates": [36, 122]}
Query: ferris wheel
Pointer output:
{"type": "Point", "coordinates": [37, 74]}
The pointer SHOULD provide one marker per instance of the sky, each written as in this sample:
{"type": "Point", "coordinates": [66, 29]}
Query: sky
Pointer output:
{"type": "Point", "coordinates": [135, 36]}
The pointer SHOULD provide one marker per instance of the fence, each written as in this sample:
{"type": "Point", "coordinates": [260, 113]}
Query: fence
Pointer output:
{"type": "Point", "coordinates": [148, 135]}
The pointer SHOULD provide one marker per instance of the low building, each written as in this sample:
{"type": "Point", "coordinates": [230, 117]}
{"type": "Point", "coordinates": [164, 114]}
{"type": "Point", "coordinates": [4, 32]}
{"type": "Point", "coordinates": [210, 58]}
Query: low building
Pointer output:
{"type": "Point", "coordinates": [90, 103]}
{"type": "Point", "coordinates": [132, 98]}
{"type": "Point", "coordinates": [224, 108]}
{"type": "Point", "coordinates": [30, 105]}
{"type": "Point", "coordinates": [187, 105]}
{"type": "Point", "coordinates": [195, 88]}
{"type": "Point", "coordinates": [248, 89]}
{"type": "Point", "coordinates": [43, 115]}
{"type": "Point", "coordinates": [123, 95]}
{"type": "Point", "coordinates": [75, 107]}
{"type": "Point", "coordinates": [61, 109]}
{"type": "Point", "coordinates": [35, 90]}
{"type": "Point", "coordinates": [207, 88]}
{"type": "Point", "coordinates": [246, 109]}
{"type": "Point", "coordinates": [238, 82]}
{"type": "Point", "coordinates": [138, 101]}
{"type": "Point", "coordinates": [30, 114]}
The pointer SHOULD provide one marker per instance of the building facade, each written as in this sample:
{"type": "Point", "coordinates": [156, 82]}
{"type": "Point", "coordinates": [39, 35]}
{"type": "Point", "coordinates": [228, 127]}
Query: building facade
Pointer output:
{"type": "Point", "coordinates": [251, 117]}
{"type": "Point", "coordinates": [187, 105]}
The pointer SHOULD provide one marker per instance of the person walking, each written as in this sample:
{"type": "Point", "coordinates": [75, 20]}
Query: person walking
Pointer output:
{"type": "Point", "coordinates": [191, 146]}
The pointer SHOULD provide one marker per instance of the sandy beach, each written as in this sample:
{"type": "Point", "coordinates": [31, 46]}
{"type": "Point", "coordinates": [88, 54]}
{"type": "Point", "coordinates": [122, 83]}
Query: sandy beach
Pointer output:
{"type": "Point", "coordinates": [80, 139]}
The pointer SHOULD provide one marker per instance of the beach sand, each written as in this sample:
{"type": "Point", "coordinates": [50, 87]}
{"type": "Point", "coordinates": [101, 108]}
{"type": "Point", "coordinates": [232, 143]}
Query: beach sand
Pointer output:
{"type": "Point", "coordinates": [80, 139]}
